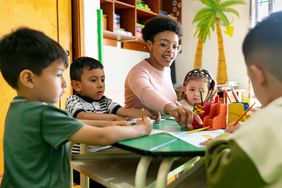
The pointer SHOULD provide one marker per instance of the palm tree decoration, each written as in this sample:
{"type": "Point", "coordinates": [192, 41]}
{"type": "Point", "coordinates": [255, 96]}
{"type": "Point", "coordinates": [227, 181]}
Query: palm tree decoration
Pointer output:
{"type": "Point", "coordinates": [202, 32]}
{"type": "Point", "coordinates": [210, 18]}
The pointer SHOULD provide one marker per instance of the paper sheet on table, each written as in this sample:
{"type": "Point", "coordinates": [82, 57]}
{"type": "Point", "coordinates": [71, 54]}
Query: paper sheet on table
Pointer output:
{"type": "Point", "coordinates": [197, 137]}
{"type": "Point", "coordinates": [156, 131]}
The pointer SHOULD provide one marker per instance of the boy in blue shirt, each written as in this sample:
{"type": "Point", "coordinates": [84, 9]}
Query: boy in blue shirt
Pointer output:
{"type": "Point", "coordinates": [35, 130]}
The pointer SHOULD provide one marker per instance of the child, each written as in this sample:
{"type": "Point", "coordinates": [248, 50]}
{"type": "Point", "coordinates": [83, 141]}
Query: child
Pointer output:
{"type": "Point", "coordinates": [250, 157]}
{"type": "Point", "coordinates": [197, 86]}
{"type": "Point", "coordinates": [36, 131]}
{"type": "Point", "coordinates": [88, 102]}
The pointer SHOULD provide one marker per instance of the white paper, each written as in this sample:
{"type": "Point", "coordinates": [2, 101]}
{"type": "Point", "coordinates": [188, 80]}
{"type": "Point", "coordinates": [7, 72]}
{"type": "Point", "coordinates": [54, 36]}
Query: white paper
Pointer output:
{"type": "Point", "coordinates": [197, 137]}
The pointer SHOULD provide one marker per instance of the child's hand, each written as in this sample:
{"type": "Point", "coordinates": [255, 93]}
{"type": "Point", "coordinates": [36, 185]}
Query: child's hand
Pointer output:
{"type": "Point", "coordinates": [145, 125]}
{"type": "Point", "coordinates": [153, 115]}
{"type": "Point", "coordinates": [230, 128]}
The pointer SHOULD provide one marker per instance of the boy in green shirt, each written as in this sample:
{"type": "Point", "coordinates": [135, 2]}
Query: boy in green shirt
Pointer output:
{"type": "Point", "coordinates": [250, 157]}
{"type": "Point", "coordinates": [35, 130]}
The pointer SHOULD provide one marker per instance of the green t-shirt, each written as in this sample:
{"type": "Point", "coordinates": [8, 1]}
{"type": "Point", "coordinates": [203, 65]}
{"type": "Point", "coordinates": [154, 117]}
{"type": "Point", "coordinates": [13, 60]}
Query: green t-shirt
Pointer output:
{"type": "Point", "coordinates": [34, 145]}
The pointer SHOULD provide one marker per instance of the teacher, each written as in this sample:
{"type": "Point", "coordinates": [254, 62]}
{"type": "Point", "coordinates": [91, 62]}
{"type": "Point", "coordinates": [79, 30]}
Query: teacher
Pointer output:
{"type": "Point", "coordinates": [148, 84]}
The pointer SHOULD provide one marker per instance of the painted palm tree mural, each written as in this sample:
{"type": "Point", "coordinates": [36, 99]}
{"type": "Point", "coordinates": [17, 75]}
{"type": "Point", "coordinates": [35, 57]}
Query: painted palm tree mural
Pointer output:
{"type": "Point", "coordinates": [208, 19]}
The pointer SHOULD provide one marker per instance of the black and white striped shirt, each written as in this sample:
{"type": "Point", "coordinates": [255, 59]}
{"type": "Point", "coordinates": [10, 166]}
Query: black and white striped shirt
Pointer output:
{"type": "Point", "coordinates": [77, 103]}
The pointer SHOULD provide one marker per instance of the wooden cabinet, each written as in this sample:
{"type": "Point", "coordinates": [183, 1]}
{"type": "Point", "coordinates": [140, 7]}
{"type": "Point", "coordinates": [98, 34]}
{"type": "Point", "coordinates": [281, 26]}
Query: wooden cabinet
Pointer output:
{"type": "Point", "coordinates": [123, 19]}
{"type": "Point", "coordinates": [53, 17]}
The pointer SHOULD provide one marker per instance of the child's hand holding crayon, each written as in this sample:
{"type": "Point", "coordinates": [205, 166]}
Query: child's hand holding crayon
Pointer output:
{"type": "Point", "coordinates": [232, 127]}
{"type": "Point", "coordinates": [145, 125]}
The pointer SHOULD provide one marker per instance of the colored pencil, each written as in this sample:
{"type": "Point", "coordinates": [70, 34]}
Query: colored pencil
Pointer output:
{"type": "Point", "coordinates": [201, 95]}
{"type": "Point", "coordinates": [234, 95]}
{"type": "Point", "coordinates": [142, 114]}
{"type": "Point", "coordinates": [226, 94]}
{"type": "Point", "coordinates": [208, 94]}
{"type": "Point", "coordinates": [198, 130]}
{"type": "Point", "coordinates": [211, 96]}
{"type": "Point", "coordinates": [243, 114]}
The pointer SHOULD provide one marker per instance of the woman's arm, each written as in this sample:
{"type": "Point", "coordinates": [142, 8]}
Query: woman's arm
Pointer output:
{"type": "Point", "coordinates": [182, 114]}
{"type": "Point", "coordinates": [136, 113]}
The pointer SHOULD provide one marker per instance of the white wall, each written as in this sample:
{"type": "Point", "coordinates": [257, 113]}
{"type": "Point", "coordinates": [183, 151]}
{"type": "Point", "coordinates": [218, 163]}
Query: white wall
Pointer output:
{"type": "Point", "coordinates": [90, 28]}
{"type": "Point", "coordinates": [117, 61]}
{"type": "Point", "coordinates": [234, 58]}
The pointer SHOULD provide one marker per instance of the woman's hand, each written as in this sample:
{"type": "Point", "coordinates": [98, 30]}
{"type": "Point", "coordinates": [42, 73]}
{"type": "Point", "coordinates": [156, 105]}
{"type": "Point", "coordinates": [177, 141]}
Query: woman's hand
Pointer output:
{"type": "Point", "coordinates": [153, 115]}
{"type": "Point", "coordinates": [182, 114]}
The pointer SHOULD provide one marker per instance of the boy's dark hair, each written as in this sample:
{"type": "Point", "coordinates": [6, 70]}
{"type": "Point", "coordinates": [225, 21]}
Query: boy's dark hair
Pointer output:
{"type": "Point", "coordinates": [27, 49]}
{"type": "Point", "coordinates": [76, 68]}
{"type": "Point", "coordinates": [159, 24]}
{"type": "Point", "coordinates": [265, 42]}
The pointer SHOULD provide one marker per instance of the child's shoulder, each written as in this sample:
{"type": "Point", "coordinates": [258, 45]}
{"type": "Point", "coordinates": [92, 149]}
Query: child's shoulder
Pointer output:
{"type": "Point", "coordinates": [22, 106]}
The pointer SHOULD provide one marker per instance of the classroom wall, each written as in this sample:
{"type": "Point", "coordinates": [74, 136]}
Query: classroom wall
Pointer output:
{"type": "Point", "coordinates": [90, 28]}
{"type": "Point", "coordinates": [234, 58]}
{"type": "Point", "coordinates": [117, 61]}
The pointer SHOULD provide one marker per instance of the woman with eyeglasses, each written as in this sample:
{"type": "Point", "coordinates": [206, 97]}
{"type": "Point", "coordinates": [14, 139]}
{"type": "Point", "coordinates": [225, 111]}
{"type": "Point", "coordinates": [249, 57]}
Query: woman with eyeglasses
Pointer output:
{"type": "Point", "coordinates": [148, 84]}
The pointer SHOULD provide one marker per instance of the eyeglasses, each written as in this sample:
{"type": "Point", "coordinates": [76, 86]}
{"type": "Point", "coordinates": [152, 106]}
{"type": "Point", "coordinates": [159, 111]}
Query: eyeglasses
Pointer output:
{"type": "Point", "coordinates": [165, 45]}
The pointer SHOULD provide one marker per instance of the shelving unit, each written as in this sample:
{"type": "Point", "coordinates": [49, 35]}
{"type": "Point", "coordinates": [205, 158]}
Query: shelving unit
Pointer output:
{"type": "Point", "coordinates": [122, 18]}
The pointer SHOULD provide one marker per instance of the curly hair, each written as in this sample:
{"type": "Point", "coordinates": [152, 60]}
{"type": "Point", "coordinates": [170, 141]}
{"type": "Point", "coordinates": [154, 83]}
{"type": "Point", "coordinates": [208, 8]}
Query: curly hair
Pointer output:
{"type": "Point", "coordinates": [159, 24]}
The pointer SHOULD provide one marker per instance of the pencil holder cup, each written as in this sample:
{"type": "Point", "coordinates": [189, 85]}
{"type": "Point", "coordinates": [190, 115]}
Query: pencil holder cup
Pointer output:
{"type": "Point", "coordinates": [234, 111]}
{"type": "Point", "coordinates": [246, 105]}
{"type": "Point", "coordinates": [219, 121]}
{"type": "Point", "coordinates": [202, 109]}
{"type": "Point", "coordinates": [216, 119]}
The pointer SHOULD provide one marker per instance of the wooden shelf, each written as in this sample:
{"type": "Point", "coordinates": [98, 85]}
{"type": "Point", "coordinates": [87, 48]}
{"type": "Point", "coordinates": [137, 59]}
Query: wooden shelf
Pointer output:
{"type": "Point", "coordinates": [128, 2]}
{"type": "Point", "coordinates": [145, 13]}
{"type": "Point", "coordinates": [130, 15]}
{"type": "Point", "coordinates": [122, 5]}
{"type": "Point", "coordinates": [118, 37]}
{"type": "Point", "coordinates": [106, 1]}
